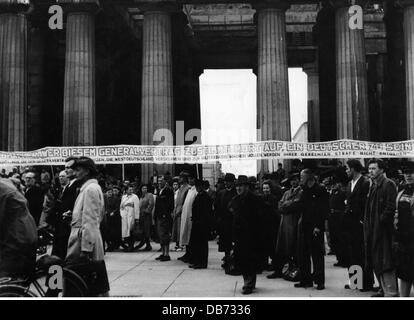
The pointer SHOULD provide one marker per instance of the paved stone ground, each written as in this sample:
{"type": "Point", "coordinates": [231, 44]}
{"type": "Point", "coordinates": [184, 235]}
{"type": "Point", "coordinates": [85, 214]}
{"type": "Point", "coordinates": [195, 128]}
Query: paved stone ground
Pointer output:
{"type": "Point", "coordinates": [138, 274]}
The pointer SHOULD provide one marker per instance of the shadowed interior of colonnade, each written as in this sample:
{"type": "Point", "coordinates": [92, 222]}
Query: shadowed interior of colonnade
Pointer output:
{"type": "Point", "coordinates": [121, 69]}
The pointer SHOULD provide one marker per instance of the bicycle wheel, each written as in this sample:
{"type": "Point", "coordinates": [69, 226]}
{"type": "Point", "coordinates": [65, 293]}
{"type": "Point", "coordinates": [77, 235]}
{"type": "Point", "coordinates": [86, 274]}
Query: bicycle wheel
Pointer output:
{"type": "Point", "coordinates": [73, 285]}
{"type": "Point", "coordinates": [14, 291]}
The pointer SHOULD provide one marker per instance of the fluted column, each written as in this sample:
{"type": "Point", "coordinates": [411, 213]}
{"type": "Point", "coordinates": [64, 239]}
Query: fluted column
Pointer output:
{"type": "Point", "coordinates": [409, 63]}
{"type": "Point", "coordinates": [273, 116]}
{"type": "Point", "coordinates": [311, 69]}
{"type": "Point", "coordinates": [13, 74]}
{"type": "Point", "coordinates": [79, 92]}
{"type": "Point", "coordinates": [351, 77]}
{"type": "Point", "coordinates": [157, 81]}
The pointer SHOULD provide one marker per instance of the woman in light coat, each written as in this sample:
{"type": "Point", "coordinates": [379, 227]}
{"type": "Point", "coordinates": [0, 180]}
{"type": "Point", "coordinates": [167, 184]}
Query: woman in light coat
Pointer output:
{"type": "Point", "coordinates": [129, 211]}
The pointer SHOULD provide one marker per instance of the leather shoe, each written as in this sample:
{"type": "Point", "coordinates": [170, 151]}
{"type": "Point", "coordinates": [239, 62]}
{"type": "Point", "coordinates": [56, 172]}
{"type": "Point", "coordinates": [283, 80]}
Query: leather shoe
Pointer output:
{"type": "Point", "coordinates": [159, 257]}
{"type": "Point", "coordinates": [198, 266]}
{"type": "Point", "coordinates": [303, 285]}
{"type": "Point", "coordinates": [182, 257]}
{"type": "Point", "coordinates": [320, 286]}
{"type": "Point", "coordinates": [274, 275]}
{"type": "Point", "coordinates": [347, 286]}
{"type": "Point", "coordinates": [147, 248]}
{"type": "Point", "coordinates": [247, 291]}
{"type": "Point", "coordinates": [165, 258]}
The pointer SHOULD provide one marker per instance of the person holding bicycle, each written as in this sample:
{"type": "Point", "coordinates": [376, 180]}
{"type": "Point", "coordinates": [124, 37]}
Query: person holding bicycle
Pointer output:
{"type": "Point", "coordinates": [18, 233]}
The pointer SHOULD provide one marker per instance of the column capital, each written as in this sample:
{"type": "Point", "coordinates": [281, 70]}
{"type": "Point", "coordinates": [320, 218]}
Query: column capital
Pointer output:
{"type": "Point", "coordinates": [271, 4]}
{"type": "Point", "coordinates": [15, 6]}
{"type": "Point", "coordinates": [348, 3]}
{"type": "Point", "coordinates": [165, 6]}
{"type": "Point", "coordinates": [88, 6]}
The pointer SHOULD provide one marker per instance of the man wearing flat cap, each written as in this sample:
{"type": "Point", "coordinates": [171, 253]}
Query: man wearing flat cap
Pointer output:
{"type": "Point", "coordinates": [224, 217]}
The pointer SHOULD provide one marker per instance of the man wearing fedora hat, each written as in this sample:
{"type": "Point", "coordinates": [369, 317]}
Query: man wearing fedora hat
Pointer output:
{"type": "Point", "coordinates": [224, 217]}
{"type": "Point", "coordinates": [248, 238]}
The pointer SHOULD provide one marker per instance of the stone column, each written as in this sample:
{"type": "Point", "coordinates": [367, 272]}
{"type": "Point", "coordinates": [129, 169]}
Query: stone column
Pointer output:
{"type": "Point", "coordinates": [409, 63]}
{"type": "Point", "coordinates": [351, 76]}
{"type": "Point", "coordinates": [157, 81]}
{"type": "Point", "coordinates": [311, 69]}
{"type": "Point", "coordinates": [273, 117]}
{"type": "Point", "coordinates": [79, 92]}
{"type": "Point", "coordinates": [13, 74]}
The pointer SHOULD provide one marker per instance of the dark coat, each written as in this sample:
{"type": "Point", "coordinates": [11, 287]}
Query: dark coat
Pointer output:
{"type": "Point", "coordinates": [355, 203]}
{"type": "Point", "coordinates": [379, 224]}
{"type": "Point", "coordinates": [201, 215]}
{"type": "Point", "coordinates": [314, 207]}
{"type": "Point", "coordinates": [35, 198]}
{"type": "Point", "coordinates": [18, 232]}
{"type": "Point", "coordinates": [247, 231]}
{"type": "Point", "coordinates": [113, 218]}
{"type": "Point", "coordinates": [271, 222]}
{"type": "Point", "coordinates": [224, 218]}
{"type": "Point", "coordinates": [164, 205]}
{"type": "Point", "coordinates": [65, 203]}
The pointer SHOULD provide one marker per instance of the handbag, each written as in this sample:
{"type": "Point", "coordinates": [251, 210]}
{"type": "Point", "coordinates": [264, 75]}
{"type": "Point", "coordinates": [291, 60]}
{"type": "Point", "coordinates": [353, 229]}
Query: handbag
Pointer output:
{"type": "Point", "coordinates": [94, 274]}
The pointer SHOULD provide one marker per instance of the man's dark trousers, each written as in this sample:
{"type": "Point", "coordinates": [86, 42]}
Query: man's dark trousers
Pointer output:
{"type": "Point", "coordinates": [312, 247]}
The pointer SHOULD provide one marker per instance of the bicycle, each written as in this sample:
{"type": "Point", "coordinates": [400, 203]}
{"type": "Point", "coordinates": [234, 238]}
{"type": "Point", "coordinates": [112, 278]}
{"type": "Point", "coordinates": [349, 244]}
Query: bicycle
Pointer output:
{"type": "Point", "coordinates": [73, 284]}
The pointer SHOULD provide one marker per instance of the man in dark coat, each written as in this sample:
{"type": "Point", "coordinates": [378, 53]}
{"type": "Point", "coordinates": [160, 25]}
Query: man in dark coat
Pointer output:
{"type": "Point", "coordinates": [164, 206]}
{"type": "Point", "coordinates": [357, 193]}
{"type": "Point", "coordinates": [64, 208]}
{"type": "Point", "coordinates": [113, 222]}
{"type": "Point", "coordinates": [271, 222]}
{"type": "Point", "coordinates": [34, 196]}
{"type": "Point", "coordinates": [211, 223]}
{"type": "Point", "coordinates": [224, 217]}
{"type": "Point", "coordinates": [337, 197]}
{"type": "Point", "coordinates": [201, 214]}
{"type": "Point", "coordinates": [18, 233]}
{"type": "Point", "coordinates": [378, 228]}
{"type": "Point", "coordinates": [314, 208]}
{"type": "Point", "coordinates": [247, 233]}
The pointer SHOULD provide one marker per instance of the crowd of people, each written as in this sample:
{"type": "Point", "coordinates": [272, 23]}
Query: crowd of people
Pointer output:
{"type": "Point", "coordinates": [282, 222]}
